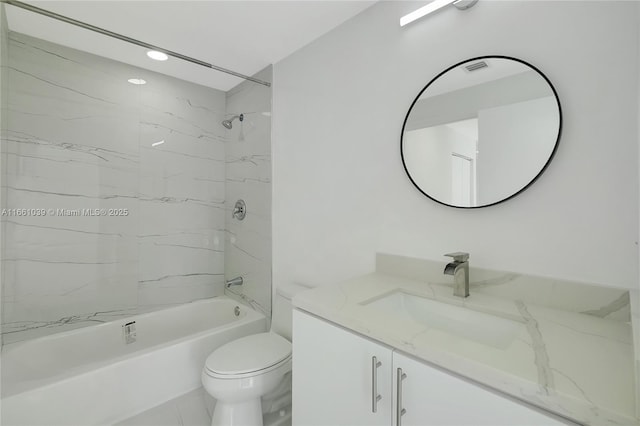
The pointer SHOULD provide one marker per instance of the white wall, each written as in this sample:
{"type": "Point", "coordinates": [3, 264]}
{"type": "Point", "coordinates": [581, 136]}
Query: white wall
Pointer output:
{"type": "Point", "coordinates": [427, 156]}
{"type": "Point", "coordinates": [465, 102]}
{"type": "Point", "coordinates": [340, 193]}
{"type": "Point", "coordinates": [515, 142]}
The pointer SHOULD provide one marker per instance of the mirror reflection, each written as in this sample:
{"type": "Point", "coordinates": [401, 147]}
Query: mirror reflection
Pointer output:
{"type": "Point", "coordinates": [481, 132]}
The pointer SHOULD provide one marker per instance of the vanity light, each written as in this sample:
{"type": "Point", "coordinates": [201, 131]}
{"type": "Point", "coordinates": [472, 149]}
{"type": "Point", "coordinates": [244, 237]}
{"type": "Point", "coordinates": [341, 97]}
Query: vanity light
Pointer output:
{"type": "Point", "coordinates": [156, 55]}
{"type": "Point", "coordinates": [432, 7]}
{"type": "Point", "coordinates": [137, 81]}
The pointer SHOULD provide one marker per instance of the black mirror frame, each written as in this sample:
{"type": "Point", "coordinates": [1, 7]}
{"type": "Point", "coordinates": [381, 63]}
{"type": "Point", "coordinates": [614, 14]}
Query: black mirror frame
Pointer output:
{"type": "Point", "coordinates": [542, 170]}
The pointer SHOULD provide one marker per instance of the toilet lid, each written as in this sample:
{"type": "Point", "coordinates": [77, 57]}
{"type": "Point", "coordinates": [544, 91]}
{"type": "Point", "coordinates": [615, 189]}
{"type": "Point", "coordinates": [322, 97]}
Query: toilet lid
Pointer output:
{"type": "Point", "coordinates": [249, 354]}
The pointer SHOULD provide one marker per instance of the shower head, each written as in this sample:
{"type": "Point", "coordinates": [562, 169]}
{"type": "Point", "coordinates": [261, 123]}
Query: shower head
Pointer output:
{"type": "Point", "coordinates": [229, 123]}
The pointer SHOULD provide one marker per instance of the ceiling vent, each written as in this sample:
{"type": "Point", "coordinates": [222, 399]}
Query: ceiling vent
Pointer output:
{"type": "Point", "coordinates": [476, 66]}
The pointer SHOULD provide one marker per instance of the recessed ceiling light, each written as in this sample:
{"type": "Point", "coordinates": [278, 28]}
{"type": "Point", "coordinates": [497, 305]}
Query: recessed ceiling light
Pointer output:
{"type": "Point", "coordinates": [137, 81]}
{"type": "Point", "coordinates": [158, 56]}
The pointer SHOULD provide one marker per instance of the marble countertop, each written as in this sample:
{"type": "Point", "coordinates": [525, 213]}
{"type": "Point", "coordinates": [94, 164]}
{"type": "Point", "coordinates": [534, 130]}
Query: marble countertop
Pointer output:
{"type": "Point", "coordinates": [573, 352]}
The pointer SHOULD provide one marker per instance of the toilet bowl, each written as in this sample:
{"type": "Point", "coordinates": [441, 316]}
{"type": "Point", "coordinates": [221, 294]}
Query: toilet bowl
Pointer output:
{"type": "Point", "coordinates": [239, 373]}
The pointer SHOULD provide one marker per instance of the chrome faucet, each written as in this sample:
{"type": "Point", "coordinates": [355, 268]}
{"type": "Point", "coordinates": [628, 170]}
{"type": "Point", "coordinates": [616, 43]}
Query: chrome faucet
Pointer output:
{"type": "Point", "coordinates": [235, 281]}
{"type": "Point", "coordinates": [459, 268]}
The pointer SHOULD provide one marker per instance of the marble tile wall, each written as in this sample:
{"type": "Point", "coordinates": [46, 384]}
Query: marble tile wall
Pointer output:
{"type": "Point", "coordinates": [182, 193]}
{"type": "Point", "coordinates": [80, 137]}
{"type": "Point", "coordinates": [4, 43]}
{"type": "Point", "coordinates": [248, 167]}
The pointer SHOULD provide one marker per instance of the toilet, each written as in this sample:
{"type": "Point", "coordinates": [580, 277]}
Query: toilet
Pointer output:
{"type": "Point", "coordinates": [240, 372]}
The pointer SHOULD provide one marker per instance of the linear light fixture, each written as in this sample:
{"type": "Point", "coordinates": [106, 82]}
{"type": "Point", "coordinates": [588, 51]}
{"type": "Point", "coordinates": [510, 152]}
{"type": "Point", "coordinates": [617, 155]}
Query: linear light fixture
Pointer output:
{"type": "Point", "coordinates": [432, 7]}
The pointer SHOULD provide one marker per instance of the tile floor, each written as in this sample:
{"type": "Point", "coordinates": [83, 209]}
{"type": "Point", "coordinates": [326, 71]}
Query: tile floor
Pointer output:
{"type": "Point", "coordinates": [194, 409]}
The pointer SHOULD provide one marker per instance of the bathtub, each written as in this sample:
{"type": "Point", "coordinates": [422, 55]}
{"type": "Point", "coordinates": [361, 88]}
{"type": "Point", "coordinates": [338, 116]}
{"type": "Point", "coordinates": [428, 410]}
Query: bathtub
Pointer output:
{"type": "Point", "coordinates": [91, 376]}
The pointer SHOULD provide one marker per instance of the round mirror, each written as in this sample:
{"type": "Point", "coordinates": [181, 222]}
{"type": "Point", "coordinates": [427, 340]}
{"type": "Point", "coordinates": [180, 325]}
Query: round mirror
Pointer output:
{"type": "Point", "coordinates": [481, 132]}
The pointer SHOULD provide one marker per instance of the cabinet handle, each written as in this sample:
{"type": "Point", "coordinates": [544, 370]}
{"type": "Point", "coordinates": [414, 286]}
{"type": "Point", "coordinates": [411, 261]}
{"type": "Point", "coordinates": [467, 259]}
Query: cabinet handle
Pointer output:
{"type": "Point", "coordinates": [399, 410]}
{"type": "Point", "coordinates": [375, 397]}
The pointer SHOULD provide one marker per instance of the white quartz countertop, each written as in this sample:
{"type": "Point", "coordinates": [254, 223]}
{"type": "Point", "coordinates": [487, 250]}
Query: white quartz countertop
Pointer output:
{"type": "Point", "coordinates": [577, 365]}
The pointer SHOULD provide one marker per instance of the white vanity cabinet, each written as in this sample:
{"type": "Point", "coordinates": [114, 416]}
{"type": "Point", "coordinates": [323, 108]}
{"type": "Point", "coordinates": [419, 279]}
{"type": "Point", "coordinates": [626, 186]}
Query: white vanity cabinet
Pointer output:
{"type": "Point", "coordinates": [335, 381]}
{"type": "Point", "coordinates": [334, 375]}
{"type": "Point", "coordinates": [430, 396]}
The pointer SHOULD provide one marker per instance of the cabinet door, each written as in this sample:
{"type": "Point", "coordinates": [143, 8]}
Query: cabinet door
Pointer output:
{"type": "Point", "coordinates": [432, 397]}
{"type": "Point", "coordinates": [334, 376]}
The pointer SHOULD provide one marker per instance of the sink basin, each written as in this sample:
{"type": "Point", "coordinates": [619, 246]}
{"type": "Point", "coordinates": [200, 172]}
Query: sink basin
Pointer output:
{"type": "Point", "coordinates": [480, 327]}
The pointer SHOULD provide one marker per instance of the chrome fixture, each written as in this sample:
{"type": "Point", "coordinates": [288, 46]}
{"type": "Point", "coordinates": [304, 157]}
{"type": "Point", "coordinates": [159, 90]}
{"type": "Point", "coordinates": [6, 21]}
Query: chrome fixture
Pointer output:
{"type": "Point", "coordinates": [129, 334]}
{"type": "Point", "coordinates": [464, 4]}
{"type": "Point", "coordinates": [108, 33]}
{"type": "Point", "coordinates": [400, 376]}
{"type": "Point", "coordinates": [432, 7]}
{"type": "Point", "coordinates": [375, 396]}
{"type": "Point", "coordinates": [229, 123]}
{"type": "Point", "coordinates": [459, 268]}
{"type": "Point", "coordinates": [234, 281]}
{"type": "Point", "coordinates": [239, 210]}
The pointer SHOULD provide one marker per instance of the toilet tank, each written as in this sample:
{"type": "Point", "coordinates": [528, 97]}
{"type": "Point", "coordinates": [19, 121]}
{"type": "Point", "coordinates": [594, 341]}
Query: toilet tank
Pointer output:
{"type": "Point", "coordinates": [282, 310]}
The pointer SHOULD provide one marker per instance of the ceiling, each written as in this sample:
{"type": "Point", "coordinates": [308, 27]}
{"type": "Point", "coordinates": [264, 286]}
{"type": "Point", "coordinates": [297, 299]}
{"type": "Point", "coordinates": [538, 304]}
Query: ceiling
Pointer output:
{"type": "Point", "coordinates": [244, 36]}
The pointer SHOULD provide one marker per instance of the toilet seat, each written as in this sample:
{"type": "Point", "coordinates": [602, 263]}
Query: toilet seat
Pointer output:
{"type": "Point", "coordinates": [249, 356]}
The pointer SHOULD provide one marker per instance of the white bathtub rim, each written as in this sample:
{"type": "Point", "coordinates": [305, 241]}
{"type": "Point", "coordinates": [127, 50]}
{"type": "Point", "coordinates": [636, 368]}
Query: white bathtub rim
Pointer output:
{"type": "Point", "coordinates": [143, 315]}
{"type": "Point", "coordinates": [152, 385]}
{"type": "Point", "coordinates": [87, 368]}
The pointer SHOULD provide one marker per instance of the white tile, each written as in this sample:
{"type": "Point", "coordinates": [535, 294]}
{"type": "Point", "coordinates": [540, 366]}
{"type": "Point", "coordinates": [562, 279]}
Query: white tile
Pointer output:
{"type": "Point", "coordinates": [79, 138]}
{"type": "Point", "coordinates": [191, 409]}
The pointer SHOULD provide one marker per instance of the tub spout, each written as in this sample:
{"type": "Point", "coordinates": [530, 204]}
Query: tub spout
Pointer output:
{"type": "Point", "coordinates": [234, 281]}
